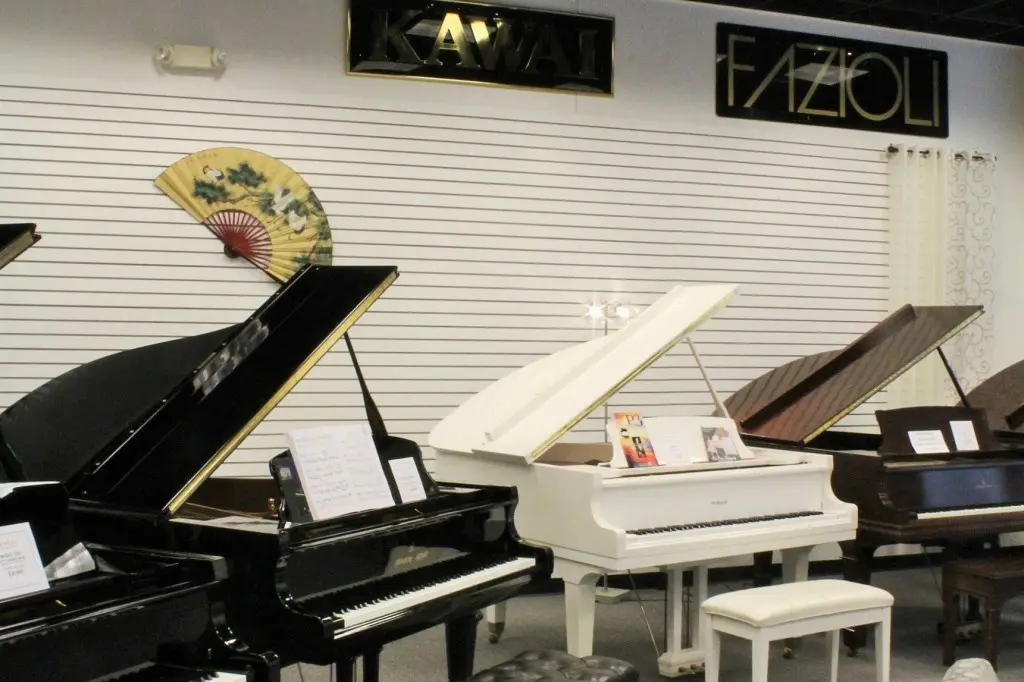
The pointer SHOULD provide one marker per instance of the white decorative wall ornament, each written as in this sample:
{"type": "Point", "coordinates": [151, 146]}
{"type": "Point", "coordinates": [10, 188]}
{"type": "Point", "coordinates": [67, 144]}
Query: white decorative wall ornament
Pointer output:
{"type": "Point", "coordinates": [942, 220]}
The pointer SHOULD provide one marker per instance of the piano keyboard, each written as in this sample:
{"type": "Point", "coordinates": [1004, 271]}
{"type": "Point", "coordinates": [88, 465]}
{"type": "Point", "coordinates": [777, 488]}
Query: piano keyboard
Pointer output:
{"type": "Point", "coordinates": [159, 673]}
{"type": "Point", "coordinates": [722, 524]}
{"type": "Point", "coordinates": [460, 580]}
{"type": "Point", "coordinates": [971, 511]}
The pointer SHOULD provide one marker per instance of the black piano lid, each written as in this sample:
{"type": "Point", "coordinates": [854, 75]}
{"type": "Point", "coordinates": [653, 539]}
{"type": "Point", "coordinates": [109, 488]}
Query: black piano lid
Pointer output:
{"type": "Point", "coordinates": [797, 402]}
{"type": "Point", "coordinates": [148, 447]}
{"type": "Point", "coordinates": [15, 238]}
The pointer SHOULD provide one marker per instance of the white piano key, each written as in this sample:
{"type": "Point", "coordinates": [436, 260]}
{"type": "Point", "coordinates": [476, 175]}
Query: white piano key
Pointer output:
{"type": "Point", "coordinates": [971, 511]}
{"type": "Point", "coordinates": [398, 603]}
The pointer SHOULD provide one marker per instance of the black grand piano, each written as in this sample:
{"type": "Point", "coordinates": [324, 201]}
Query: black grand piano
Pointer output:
{"type": "Point", "coordinates": [905, 493]}
{"type": "Point", "coordinates": [143, 430]}
{"type": "Point", "coordinates": [110, 611]}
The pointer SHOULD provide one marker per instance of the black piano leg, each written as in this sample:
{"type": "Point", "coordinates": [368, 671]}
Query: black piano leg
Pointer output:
{"type": "Point", "coordinates": [856, 568]}
{"type": "Point", "coordinates": [762, 569]}
{"type": "Point", "coordinates": [346, 670]}
{"type": "Point", "coordinates": [460, 646]}
{"type": "Point", "coordinates": [371, 666]}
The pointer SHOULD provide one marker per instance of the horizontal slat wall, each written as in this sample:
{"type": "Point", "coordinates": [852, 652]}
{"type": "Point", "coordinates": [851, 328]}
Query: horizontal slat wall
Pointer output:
{"type": "Point", "coordinates": [502, 229]}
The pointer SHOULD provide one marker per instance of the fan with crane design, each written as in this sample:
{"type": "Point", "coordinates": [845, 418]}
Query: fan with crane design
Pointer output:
{"type": "Point", "coordinates": [260, 208]}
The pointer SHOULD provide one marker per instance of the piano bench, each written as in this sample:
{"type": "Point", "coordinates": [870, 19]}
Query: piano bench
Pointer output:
{"type": "Point", "coordinates": [544, 665]}
{"type": "Point", "coordinates": [992, 581]}
{"type": "Point", "coordinates": [791, 610]}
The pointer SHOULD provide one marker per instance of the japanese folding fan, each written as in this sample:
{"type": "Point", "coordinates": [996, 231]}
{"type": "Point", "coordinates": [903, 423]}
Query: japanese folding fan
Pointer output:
{"type": "Point", "coordinates": [260, 208]}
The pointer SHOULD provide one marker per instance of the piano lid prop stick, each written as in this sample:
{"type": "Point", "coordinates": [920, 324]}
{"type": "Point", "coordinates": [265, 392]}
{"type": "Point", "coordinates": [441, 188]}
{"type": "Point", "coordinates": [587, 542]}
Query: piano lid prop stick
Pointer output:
{"type": "Point", "coordinates": [707, 380]}
{"type": "Point", "coordinates": [952, 376]}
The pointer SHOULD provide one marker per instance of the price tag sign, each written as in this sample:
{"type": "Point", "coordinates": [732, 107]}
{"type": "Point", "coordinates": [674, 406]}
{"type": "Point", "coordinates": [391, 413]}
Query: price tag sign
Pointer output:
{"type": "Point", "coordinates": [21, 569]}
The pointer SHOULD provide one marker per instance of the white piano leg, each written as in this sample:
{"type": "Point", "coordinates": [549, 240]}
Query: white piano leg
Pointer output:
{"type": "Point", "coordinates": [580, 598]}
{"type": "Point", "coordinates": [677, 661]}
{"type": "Point", "coordinates": [496, 621]}
{"type": "Point", "coordinates": [796, 563]}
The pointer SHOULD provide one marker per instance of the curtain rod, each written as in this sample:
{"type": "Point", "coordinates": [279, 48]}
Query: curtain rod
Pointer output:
{"type": "Point", "coordinates": [976, 156]}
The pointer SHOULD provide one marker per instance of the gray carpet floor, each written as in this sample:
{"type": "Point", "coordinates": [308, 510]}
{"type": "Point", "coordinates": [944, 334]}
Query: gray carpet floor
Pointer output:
{"type": "Point", "coordinates": [537, 622]}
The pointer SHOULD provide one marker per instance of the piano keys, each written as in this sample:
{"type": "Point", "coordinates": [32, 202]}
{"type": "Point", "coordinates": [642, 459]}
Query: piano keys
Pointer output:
{"type": "Point", "coordinates": [599, 518]}
{"type": "Point", "coordinates": [949, 500]}
{"type": "Point", "coordinates": [145, 429]}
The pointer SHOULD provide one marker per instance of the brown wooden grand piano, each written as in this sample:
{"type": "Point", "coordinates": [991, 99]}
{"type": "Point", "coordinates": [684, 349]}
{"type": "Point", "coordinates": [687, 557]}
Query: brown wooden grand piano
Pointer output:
{"type": "Point", "coordinates": [951, 500]}
{"type": "Point", "coordinates": [136, 435]}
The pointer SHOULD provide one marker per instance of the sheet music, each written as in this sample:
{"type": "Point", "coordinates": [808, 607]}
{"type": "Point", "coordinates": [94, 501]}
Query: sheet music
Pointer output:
{"type": "Point", "coordinates": [407, 478]}
{"type": "Point", "coordinates": [964, 437]}
{"type": "Point", "coordinates": [340, 470]}
{"type": "Point", "coordinates": [21, 569]}
{"type": "Point", "coordinates": [672, 443]}
{"type": "Point", "coordinates": [927, 442]}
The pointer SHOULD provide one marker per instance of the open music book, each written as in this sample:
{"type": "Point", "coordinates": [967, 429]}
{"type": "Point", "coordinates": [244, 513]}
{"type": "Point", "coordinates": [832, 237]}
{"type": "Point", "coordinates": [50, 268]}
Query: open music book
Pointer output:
{"type": "Point", "coordinates": [639, 441]}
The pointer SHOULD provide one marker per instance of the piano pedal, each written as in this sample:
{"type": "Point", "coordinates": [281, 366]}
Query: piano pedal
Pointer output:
{"type": "Point", "coordinates": [495, 632]}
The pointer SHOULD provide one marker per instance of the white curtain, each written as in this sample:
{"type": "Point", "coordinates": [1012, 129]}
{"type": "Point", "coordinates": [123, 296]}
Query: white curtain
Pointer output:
{"type": "Point", "coordinates": [941, 228]}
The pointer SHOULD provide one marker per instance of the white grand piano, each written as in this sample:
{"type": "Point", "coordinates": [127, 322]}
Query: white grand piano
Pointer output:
{"type": "Point", "coordinates": [600, 517]}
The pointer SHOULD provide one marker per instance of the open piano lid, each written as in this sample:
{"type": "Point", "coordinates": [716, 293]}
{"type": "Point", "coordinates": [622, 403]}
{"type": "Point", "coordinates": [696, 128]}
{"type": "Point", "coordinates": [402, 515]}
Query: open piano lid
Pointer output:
{"type": "Point", "coordinates": [800, 400]}
{"type": "Point", "coordinates": [523, 414]}
{"type": "Point", "coordinates": [1002, 398]}
{"type": "Point", "coordinates": [202, 396]}
{"type": "Point", "coordinates": [15, 239]}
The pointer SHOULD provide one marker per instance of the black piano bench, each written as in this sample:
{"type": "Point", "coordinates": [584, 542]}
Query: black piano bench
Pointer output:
{"type": "Point", "coordinates": [550, 666]}
{"type": "Point", "coordinates": [993, 581]}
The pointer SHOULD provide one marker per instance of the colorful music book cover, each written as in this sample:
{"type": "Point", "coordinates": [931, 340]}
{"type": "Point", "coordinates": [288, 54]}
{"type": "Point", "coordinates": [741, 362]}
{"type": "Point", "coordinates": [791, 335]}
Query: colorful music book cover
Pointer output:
{"type": "Point", "coordinates": [636, 444]}
{"type": "Point", "coordinates": [719, 444]}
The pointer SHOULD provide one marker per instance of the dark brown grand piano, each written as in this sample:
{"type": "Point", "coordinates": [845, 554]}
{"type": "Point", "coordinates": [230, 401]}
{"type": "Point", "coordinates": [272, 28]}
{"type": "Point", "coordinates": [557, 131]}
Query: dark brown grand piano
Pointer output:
{"type": "Point", "coordinates": [951, 500]}
{"type": "Point", "coordinates": [111, 611]}
{"type": "Point", "coordinates": [1001, 396]}
{"type": "Point", "coordinates": [140, 432]}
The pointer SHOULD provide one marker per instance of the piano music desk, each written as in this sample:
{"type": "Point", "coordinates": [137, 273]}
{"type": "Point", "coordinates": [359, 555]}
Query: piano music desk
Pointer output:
{"type": "Point", "coordinates": [993, 581]}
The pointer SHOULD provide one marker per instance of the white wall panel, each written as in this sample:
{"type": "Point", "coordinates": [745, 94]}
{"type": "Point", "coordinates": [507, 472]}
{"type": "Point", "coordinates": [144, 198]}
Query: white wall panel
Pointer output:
{"type": "Point", "coordinates": [503, 228]}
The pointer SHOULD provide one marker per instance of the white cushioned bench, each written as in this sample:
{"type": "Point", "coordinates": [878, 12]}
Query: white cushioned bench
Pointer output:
{"type": "Point", "coordinates": [764, 614]}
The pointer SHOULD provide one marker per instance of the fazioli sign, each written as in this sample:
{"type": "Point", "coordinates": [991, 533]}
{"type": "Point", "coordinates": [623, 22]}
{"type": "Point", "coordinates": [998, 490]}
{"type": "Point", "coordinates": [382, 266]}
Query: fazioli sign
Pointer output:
{"type": "Point", "coordinates": [473, 43]}
{"type": "Point", "coordinates": [772, 75]}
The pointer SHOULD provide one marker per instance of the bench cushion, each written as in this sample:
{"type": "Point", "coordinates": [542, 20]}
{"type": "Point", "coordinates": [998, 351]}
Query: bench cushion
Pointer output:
{"type": "Point", "coordinates": [550, 666]}
{"type": "Point", "coordinates": [790, 602]}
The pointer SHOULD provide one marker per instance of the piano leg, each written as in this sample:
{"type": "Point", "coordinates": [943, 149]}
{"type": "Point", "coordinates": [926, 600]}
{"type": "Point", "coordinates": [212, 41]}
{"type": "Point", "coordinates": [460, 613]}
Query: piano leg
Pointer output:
{"type": "Point", "coordinates": [677, 659]}
{"type": "Point", "coordinates": [580, 598]}
{"type": "Point", "coordinates": [762, 569]}
{"type": "Point", "coordinates": [857, 559]}
{"type": "Point", "coordinates": [496, 621]}
{"type": "Point", "coordinates": [460, 646]}
{"type": "Point", "coordinates": [796, 563]}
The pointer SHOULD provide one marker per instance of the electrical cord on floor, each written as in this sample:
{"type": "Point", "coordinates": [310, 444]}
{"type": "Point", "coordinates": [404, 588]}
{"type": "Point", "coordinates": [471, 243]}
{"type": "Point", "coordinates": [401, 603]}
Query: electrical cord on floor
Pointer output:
{"type": "Point", "coordinates": [643, 612]}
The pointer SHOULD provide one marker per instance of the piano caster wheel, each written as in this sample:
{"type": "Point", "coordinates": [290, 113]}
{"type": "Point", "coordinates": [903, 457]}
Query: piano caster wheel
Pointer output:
{"type": "Point", "coordinates": [851, 651]}
{"type": "Point", "coordinates": [787, 653]}
{"type": "Point", "coordinates": [493, 638]}
{"type": "Point", "coordinates": [496, 630]}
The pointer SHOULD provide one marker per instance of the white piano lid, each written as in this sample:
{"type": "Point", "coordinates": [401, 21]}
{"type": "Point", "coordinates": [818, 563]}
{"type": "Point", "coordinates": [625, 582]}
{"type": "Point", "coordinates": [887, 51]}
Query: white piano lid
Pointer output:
{"type": "Point", "coordinates": [523, 414]}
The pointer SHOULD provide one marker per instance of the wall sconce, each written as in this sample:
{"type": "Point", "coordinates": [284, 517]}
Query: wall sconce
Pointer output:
{"type": "Point", "coordinates": [191, 57]}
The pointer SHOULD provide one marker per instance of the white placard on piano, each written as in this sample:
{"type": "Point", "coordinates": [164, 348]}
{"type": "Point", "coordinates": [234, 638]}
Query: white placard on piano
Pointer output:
{"type": "Point", "coordinates": [340, 470]}
{"type": "Point", "coordinates": [928, 442]}
{"type": "Point", "coordinates": [21, 569]}
{"type": "Point", "coordinates": [407, 478]}
{"type": "Point", "coordinates": [964, 437]}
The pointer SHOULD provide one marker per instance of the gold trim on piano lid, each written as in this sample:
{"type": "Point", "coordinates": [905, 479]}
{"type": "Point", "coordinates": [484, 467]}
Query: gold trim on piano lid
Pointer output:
{"type": "Point", "coordinates": [625, 380]}
{"type": "Point", "coordinates": [185, 493]}
{"type": "Point", "coordinates": [892, 377]}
